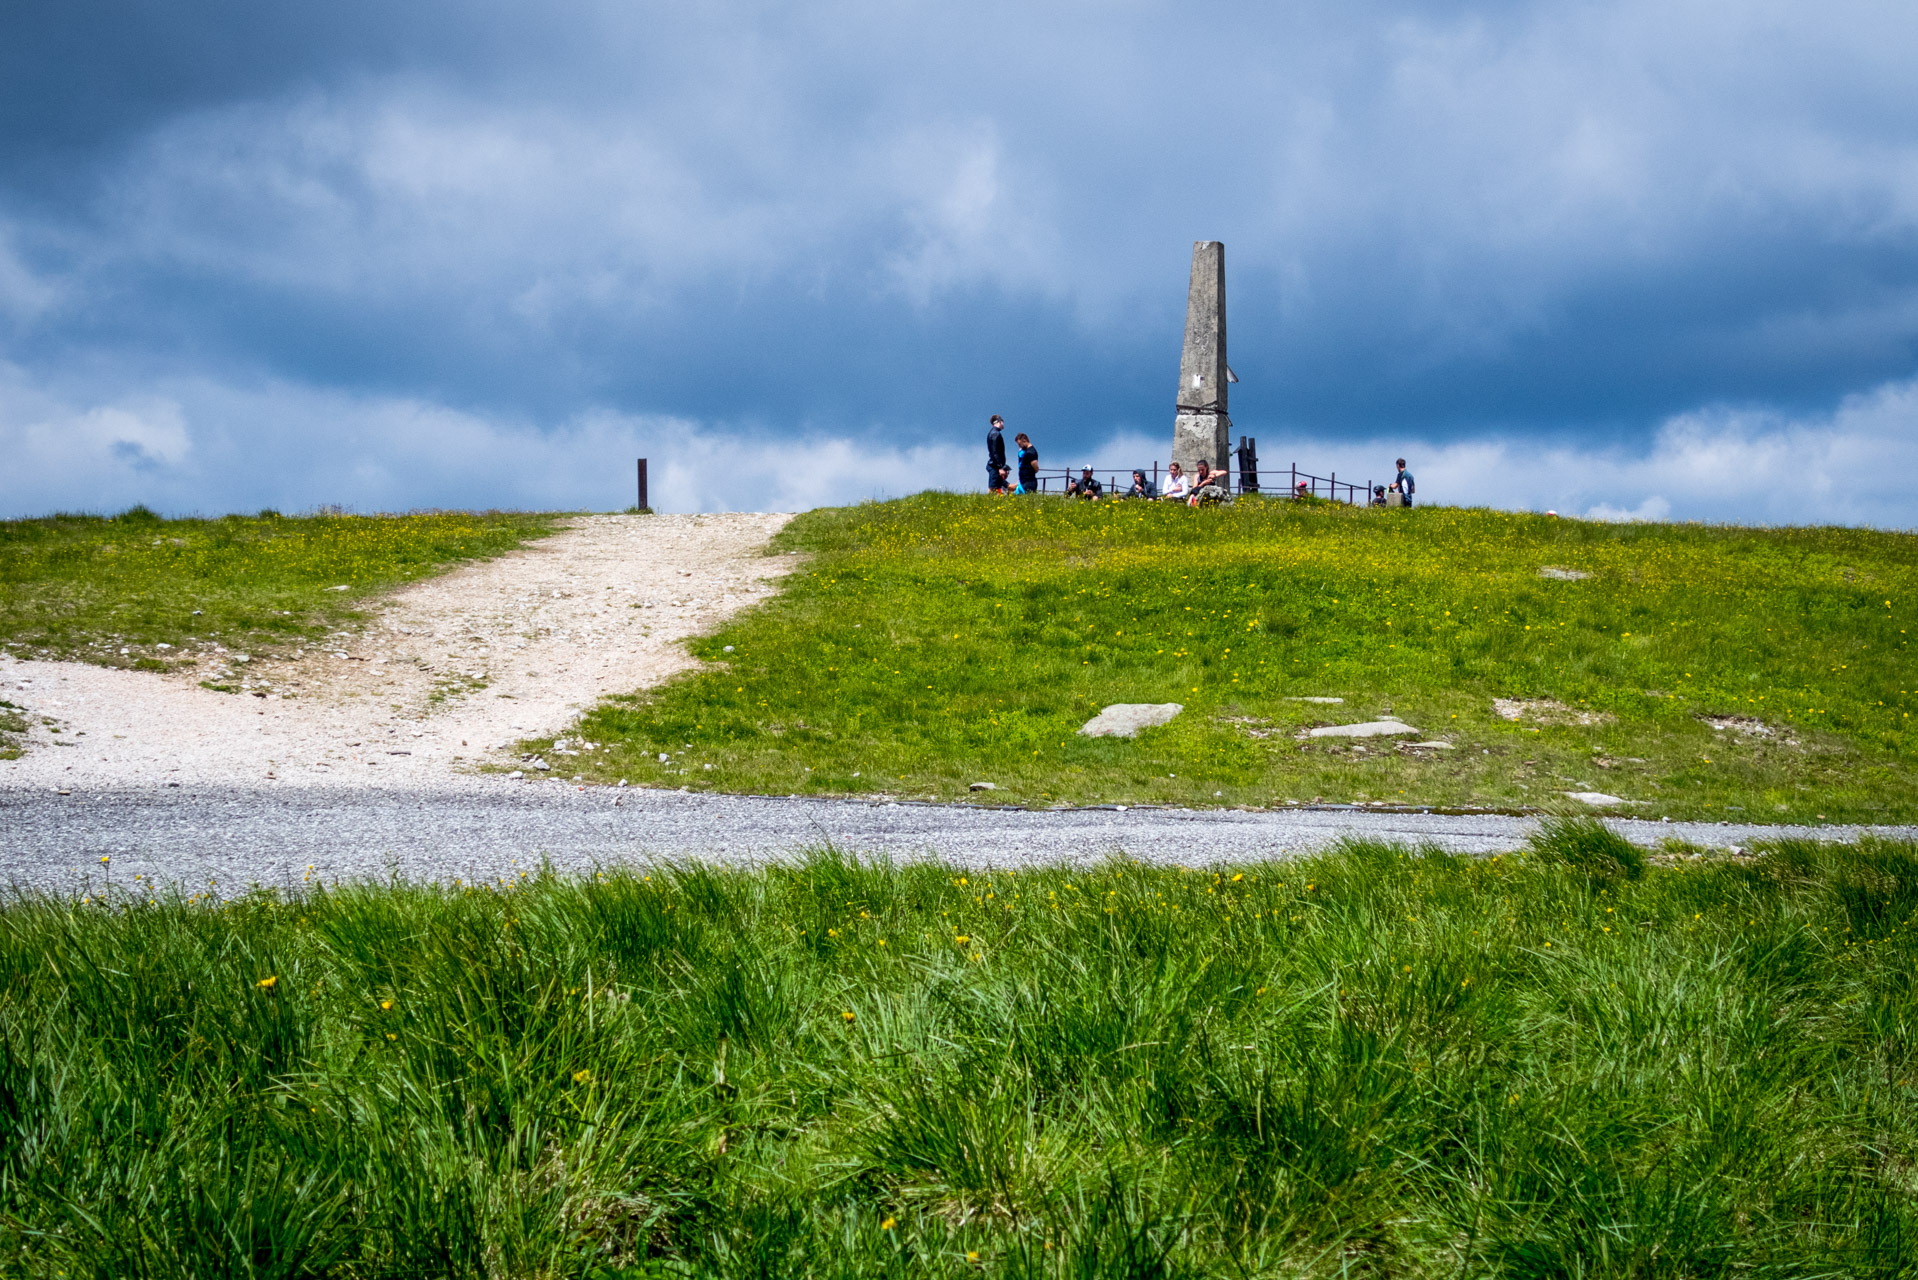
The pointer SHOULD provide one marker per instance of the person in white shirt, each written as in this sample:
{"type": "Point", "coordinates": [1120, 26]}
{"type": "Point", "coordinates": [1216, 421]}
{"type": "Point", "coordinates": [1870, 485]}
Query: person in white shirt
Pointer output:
{"type": "Point", "coordinates": [1174, 489]}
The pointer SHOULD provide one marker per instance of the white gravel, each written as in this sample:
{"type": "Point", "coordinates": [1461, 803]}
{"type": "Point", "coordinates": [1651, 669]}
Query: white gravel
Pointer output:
{"type": "Point", "coordinates": [446, 674]}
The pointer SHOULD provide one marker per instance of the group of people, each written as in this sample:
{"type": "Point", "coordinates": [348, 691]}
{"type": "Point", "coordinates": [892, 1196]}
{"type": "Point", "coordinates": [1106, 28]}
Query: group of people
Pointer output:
{"type": "Point", "coordinates": [1203, 489]}
{"type": "Point", "coordinates": [1400, 491]}
{"type": "Point", "coordinates": [1208, 486]}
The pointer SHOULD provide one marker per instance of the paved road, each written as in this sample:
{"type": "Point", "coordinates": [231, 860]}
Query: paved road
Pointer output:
{"type": "Point", "coordinates": [482, 829]}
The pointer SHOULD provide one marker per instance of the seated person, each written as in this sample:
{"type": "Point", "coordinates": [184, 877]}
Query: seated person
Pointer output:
{"type": "Point", "coordinates": [1141, 487]}
{"type": "Point", "coordinates": [1175, 486]}
{"type": "Point", "coordinates": [1086, 486]}
{"type": "Point", "coordinates": [1209, 486]}
{"type": "Point", "coordinates": [1378, 495]}
{"type": "Point", "coordinates": [1303, 491]}
{"type": "Point", "coordinates": [1002, 483]}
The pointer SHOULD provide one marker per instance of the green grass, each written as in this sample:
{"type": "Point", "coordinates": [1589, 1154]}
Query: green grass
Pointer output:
{"type": "Point", "coordinates": [938, 641]}
{"type": "Point", "coordinates": [13, 729]}
{"type": "Point", "coordinates": [1374, 1062]}
{"type": "Point", "coordinates": [133, 589]}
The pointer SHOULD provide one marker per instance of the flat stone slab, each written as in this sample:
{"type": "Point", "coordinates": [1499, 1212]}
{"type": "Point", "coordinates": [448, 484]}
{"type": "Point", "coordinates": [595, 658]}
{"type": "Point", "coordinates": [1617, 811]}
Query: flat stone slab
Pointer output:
{"type": "Point", "coordinates": [1125, 719]}
{"type": "Point", "coordinates": [1326, 700]}
{"type": "Point", "coordinates": [1594, 797]}
{"type": "Point", "coordinates": [1563, 575]}
{"type": "Point", "coordinates": [1427, 746]}
{"type": "Point", "coordinates": [1369, 729]}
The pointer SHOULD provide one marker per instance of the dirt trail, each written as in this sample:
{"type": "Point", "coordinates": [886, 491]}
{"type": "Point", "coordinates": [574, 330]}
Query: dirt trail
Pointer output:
{"type": "Point", "coordinates": [444, 675]}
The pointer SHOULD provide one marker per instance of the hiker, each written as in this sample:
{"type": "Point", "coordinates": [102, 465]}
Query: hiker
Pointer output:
{"type": "Point", "coordinates": [1378, 495]}
{"type": "Point", "coordinates": [1141, 487]}
{"type": "Point", "coordinates": [1209, 486]}
{"type": "Point", "coordinates": [1403, 485]}
{"type": "Point", "coordinates": [996, 455]}
{"type": "Point", "coordinates": [1175, 488]}
{"type": "Point", "coordinates": [1028, 464]}
{"type": "Point", "coordinates": [1087, 486]}
{"type": "Point", "coordinates": [1004, 486]}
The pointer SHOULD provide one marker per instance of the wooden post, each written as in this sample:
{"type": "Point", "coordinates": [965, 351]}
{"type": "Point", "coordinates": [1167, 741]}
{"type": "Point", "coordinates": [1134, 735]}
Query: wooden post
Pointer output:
{"type": "Point", "coordinates": [642, 484]}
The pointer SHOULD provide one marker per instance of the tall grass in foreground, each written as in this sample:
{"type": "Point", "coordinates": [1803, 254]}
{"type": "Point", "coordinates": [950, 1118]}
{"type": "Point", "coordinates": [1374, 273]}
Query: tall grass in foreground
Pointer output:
{"type": "Point", "coordinates": [1378, 1061]}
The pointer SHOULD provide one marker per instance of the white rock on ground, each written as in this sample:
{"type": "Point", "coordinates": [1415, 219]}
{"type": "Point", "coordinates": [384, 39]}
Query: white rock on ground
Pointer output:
{"type": "Point", "coordinates": [1125, 719]}
{"type": "Point", "coordinates": [1369, 729]}
{"type": "Point", "coordinates": [1325, 700]}
{"type": "Point", "coordinates": [1563, 575]}
{"type": "Point", "coordinates": [445, 675]}
{"type": "Point", "coordinates": [1594, 797]}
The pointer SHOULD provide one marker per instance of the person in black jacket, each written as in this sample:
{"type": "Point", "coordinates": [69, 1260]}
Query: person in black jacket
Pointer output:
{"type": "Point", "coordinates": [996, 455]}
{"type": "Point", "coordinates": [1086, 486]}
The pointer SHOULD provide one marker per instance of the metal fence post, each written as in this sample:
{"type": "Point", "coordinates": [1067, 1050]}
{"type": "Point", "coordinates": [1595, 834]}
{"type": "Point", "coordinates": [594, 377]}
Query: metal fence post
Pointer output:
{"type": "Point", "coordinates": [642, 485]}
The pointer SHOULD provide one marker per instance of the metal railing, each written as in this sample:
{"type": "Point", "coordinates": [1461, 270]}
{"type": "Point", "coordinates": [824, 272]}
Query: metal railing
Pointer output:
{"type": "Point", "coordinates": [1299, 484]}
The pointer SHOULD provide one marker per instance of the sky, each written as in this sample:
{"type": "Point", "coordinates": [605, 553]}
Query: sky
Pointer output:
{"type": "Point", "coordinates": [1624, 260]}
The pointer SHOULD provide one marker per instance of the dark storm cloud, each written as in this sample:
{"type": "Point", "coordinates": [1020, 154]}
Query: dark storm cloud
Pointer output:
{"type": "Point", "coordinates": [867, 225]}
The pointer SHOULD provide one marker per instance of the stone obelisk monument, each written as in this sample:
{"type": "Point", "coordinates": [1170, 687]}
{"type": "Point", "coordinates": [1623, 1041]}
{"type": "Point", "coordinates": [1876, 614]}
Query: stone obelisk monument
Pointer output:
{"type": "Point", "coordinates": [1203, 430]}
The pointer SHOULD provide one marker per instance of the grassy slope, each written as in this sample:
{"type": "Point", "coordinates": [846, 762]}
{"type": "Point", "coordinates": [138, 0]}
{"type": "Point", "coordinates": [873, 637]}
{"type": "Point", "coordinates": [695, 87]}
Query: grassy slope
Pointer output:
{"type": "Point", "coordinates": [87, 587]}
{"type": "Point", "coordinates": [1364, 1062]}
{"type": "Point", "coordinates": [939, 640]}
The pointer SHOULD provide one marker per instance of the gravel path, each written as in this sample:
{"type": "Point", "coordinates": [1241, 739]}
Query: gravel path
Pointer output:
{"type": "Point", "coordinates": [446, 674]}
{"type": "Point", "coordinates": [485, 829]}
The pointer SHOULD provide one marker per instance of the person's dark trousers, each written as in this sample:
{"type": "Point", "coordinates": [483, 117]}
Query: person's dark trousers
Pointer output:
{"type": "Point", "coordinates": [992, 478]}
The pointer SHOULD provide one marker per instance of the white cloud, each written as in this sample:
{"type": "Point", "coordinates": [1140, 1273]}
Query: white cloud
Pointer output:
{"type": "Point", "coordinates": [203, 446]}
{"type": "Point", "coordinates": [1652, 510]}
{"type": "Point", "coordinates": [1852, 465]}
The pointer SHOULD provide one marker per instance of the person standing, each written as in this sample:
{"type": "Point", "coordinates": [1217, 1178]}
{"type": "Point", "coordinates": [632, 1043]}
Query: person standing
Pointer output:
{"type": "Point", "coordinates": [1028, 464]}
{"type": "Point", "coordinates": [996, 455]}
{"type": "Point", "coordinates": [1402, 485]}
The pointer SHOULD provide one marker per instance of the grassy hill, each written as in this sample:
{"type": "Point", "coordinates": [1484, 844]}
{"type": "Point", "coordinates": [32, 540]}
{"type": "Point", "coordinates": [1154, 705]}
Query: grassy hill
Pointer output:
{"type": "Point", "coordinates": [940, 640]}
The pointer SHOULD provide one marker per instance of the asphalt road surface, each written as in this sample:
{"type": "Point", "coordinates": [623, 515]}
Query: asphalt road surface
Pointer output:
{"type": "Point", "coordinates": [483, 830]}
